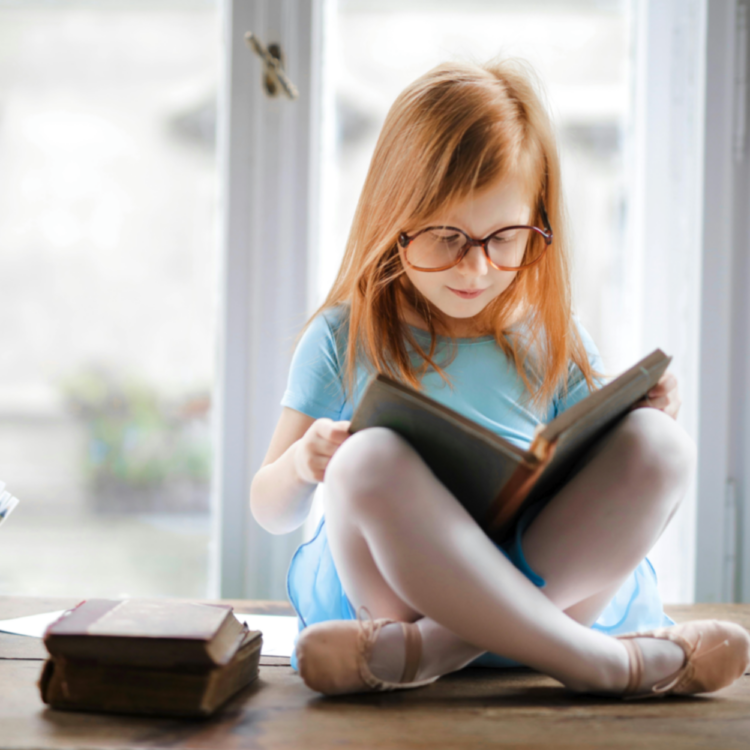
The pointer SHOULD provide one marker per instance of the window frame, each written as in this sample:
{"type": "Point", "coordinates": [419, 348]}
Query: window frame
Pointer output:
{"type": "Point", "coordinates": [268, 175]}
{"type": "Point", "coordinates": [667, 157]}
{"type": "Point", "coordinates": [723, 519]}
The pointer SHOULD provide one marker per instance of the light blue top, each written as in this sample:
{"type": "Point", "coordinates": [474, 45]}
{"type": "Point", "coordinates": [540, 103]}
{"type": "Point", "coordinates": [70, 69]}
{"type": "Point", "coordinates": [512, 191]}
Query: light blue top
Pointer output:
{"type": "Point", "coordinates": [485, 388]}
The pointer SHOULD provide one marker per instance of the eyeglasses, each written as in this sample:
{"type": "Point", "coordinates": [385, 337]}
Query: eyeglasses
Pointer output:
{"type": "Point", "coordinates": [507, 249]}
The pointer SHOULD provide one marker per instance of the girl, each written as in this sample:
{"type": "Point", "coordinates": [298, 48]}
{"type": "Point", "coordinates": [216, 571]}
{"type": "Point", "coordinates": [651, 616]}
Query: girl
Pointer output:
{"type": "Point", "coordinates": [455, 280]}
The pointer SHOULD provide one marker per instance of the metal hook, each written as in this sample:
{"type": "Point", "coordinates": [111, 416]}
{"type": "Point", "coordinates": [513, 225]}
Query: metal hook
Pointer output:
{"type": "Point", "coordinates": [274, 76]}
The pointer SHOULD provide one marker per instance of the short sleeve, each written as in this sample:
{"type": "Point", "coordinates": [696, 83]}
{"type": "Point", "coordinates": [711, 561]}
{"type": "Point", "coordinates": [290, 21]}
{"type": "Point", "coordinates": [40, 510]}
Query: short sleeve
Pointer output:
{"type": "Point", "coordinates": [315, 384]}
{"type": "Point", "coordinates": [577, 387]}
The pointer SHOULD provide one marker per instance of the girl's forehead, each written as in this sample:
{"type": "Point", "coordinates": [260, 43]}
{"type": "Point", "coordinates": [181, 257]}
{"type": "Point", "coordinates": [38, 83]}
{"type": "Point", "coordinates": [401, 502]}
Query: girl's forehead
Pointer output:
{"type": "Point", "coordinates": [503, 203]}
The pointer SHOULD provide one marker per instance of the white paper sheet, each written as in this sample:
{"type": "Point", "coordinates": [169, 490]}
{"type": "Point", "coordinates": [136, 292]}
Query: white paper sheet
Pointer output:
{"type": "Point", "coordinates": [279, 631]}
{"type": "Point", "coordinates": [33, 625]}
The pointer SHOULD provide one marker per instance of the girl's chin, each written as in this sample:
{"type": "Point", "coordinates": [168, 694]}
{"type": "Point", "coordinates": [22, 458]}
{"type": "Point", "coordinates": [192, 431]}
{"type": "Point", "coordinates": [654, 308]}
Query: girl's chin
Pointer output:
{"type": "Point", "coordinates": [463, 306]}
{"type": "Point", "coordinates": [463, 310]}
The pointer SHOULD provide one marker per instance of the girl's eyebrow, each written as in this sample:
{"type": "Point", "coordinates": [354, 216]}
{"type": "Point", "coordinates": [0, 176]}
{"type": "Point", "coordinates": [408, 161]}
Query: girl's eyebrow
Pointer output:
{"type": "Point", "coordinates": [459, 225]}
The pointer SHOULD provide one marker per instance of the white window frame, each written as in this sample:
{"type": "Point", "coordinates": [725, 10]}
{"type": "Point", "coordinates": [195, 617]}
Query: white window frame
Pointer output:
{"type": "Point", "coordinates": [666, 225]}
{"type": "Point", "coordinates": [723, 523]}
{"type": "Point", "coordinates": [690, 200]}
{"type": "Point", "coordinates": [268, 163]}
{"type": "Point", "coordinates": [683, 230]}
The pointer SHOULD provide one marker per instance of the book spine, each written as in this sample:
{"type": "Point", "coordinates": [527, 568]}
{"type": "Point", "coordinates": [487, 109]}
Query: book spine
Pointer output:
{"type": "Point", "coordinates": [540, 446]}
{"type": "Point", "coordinates": [507, 505]}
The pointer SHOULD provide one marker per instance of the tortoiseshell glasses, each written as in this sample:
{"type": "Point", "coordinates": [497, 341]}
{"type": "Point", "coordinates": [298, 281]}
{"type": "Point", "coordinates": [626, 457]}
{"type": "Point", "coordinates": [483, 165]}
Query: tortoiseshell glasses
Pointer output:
{"type": "Point", "coordinates": [507, 249]}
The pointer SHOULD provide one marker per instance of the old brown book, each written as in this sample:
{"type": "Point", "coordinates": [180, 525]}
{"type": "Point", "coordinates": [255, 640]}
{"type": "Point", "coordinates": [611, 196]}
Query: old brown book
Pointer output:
{"type": "Point", "coordinates": [89, 686]}
{"type": "Point", "coordinates": [490, 476]}
{"type": "Point", "coordinates": [151, 633]}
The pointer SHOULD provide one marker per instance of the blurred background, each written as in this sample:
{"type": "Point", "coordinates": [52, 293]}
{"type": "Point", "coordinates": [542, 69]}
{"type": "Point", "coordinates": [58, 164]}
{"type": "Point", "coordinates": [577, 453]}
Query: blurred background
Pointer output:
{"type": "Point", "coordinates": [109, 247]}
{"type": "Point", "coordinates": [108, 256]}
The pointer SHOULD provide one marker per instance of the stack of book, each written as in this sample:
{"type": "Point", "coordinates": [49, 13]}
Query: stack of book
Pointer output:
{"type": "Point", "coordinates": [148, 657]}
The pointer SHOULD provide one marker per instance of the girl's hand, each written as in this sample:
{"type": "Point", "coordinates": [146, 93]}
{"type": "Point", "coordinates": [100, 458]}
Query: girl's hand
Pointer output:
{"type": "Point", "coordinates": [316, 447]}
{"type": "Point", "coordinates": [663, 396]}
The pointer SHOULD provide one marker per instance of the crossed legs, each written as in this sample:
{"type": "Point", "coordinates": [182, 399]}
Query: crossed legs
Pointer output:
{"type": "Point", "coordinates": [407, 550]}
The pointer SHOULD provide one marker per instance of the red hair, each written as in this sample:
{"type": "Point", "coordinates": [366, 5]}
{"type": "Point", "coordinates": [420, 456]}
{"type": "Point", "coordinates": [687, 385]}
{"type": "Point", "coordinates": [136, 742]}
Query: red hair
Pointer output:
{"type": "Point", "coordinates": [456, 130]}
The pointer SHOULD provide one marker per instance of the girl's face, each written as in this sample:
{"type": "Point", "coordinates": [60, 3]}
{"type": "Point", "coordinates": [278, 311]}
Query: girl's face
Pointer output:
{"type": "Point", "coordinates": [501, 205]}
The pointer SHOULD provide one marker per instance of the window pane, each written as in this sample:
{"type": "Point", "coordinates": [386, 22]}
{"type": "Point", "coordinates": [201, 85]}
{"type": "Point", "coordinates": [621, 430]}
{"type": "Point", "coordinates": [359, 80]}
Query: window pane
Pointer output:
{"type": "Point", "coordinates": [107, 274]}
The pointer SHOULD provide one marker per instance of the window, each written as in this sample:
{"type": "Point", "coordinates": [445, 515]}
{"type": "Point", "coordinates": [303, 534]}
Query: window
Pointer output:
{"type": "Point", "coordinates": [108, 199]}
{"type": "Point", "coordinates": [64, 263]}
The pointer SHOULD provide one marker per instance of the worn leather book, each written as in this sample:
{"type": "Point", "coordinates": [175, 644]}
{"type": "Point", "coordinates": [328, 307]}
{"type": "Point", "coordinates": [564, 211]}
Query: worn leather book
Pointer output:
{"type": "Point", "coordinates": [90, 686]}
{"type": "Point", "coordinates": [490, 476]}
{"type": "Point", "coordinates": [150, 633]}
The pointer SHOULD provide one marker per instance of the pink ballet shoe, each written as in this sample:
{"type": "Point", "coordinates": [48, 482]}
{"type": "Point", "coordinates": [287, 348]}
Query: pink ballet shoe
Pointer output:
{"type": "Point", "coordinates": [333, 656]}
{"type": "Point", "coordinates": [716, 654]}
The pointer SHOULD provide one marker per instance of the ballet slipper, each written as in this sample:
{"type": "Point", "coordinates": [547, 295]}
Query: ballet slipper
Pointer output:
{"type": "Point", "coordinates": [716, 654]}
{"type": "Point", "coordinates": [333, 656]}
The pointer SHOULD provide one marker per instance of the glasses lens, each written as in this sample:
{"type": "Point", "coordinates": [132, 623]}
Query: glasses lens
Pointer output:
{"type": "Point", "coordinates": [513, 248]}
{"type": "Point", "coordinates": [435, 248]}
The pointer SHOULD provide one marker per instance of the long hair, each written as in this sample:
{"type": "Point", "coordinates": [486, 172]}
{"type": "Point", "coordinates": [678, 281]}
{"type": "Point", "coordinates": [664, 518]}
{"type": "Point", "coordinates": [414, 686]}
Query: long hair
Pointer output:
{"type": "Point", "coordinates": [456, 130]}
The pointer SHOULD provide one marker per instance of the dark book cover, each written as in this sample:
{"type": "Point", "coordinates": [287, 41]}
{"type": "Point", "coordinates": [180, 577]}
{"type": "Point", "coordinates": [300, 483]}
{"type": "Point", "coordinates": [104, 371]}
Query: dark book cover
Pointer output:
{"type": "Point", "coordinates": [147, 633]}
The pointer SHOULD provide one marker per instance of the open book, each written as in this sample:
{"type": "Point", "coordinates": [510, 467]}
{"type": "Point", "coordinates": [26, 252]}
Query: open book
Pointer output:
{"type": "Point", "coordinates": [490, 476]}
{"type": "Point", "coordinates": [7, 502]}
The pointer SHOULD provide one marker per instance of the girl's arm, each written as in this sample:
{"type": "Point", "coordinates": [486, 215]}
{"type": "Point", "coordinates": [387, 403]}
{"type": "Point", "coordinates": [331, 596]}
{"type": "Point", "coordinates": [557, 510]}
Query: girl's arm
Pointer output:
{"type": "Point", "coordinates": [301, 447]}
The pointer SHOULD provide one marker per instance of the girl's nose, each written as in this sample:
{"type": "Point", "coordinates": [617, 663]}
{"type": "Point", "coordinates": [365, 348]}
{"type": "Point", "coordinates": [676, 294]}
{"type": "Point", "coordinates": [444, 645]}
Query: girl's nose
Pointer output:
{"type": "Point", "coordinates": [475, 262]}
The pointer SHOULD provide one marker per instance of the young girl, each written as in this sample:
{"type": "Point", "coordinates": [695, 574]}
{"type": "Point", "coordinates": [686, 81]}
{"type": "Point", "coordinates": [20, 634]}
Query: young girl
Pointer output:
{"type": "Point", "coordinates": [455, 280]}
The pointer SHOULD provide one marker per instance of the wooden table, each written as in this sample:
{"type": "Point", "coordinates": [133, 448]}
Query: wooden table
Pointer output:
{"type": "Point", "coordinates": [471, 709]}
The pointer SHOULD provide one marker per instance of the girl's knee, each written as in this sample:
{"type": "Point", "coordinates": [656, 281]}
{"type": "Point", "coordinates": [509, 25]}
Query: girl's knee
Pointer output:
{"type": "Point", "coordinates": [657, 448]}
{"type": "Point", "coordinates": [368, 463]}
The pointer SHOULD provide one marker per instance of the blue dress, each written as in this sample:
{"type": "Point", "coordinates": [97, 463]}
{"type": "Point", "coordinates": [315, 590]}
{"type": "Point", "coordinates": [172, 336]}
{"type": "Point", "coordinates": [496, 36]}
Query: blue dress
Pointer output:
{"type": "Point", "coordinates": [485, 388]}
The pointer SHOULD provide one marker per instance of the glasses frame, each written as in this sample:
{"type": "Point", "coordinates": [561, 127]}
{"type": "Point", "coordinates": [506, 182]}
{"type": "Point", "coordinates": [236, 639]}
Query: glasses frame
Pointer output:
{"type": "Point", "coordinates": [405, 240]}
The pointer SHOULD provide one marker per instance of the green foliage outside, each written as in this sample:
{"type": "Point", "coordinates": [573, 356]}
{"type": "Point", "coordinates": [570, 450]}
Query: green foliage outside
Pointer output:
{"type": "Point", "coordinates": [137, 437]}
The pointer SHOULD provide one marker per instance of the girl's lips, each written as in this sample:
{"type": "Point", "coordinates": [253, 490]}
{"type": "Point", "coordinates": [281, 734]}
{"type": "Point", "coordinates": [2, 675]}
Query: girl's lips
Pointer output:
{"type": "Point", "coordinates": [467, 295]}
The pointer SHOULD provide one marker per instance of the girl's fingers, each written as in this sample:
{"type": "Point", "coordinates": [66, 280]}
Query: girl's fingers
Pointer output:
{"type": "Point", "coordinates": [325, 445]}
{"type": "Point", "coordinates": [658, 403]}
{"type": "Point", "coordinates": [318, 466]}
{"type": "Point", "coordinates": [335, 432]}
{"type": "Point", "coordinates": [664, 396]}
{"type": "Point", "coordinates": [667, 383]}
{"type": "Point", "coordinates": [325, 448]}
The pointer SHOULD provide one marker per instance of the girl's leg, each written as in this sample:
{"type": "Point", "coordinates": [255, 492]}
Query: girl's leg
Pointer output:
{"type": "Point", "coordinates": [604, 521]}
{"type": "Point", "coordinates": [393, 526]}
{"type": "Point", "coordinates": [444, 652]}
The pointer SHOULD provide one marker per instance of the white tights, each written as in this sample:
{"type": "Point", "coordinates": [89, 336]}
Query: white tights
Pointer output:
{"type": "Point", "coordinates": [406, 549]}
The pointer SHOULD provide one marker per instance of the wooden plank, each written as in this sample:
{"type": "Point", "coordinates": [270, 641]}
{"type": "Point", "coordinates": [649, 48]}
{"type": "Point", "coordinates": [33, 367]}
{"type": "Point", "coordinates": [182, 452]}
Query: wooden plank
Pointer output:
{"type": "Point", "coordinates": [476, 708]}
{"type": "Point", "coordinates": [471, 709]}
